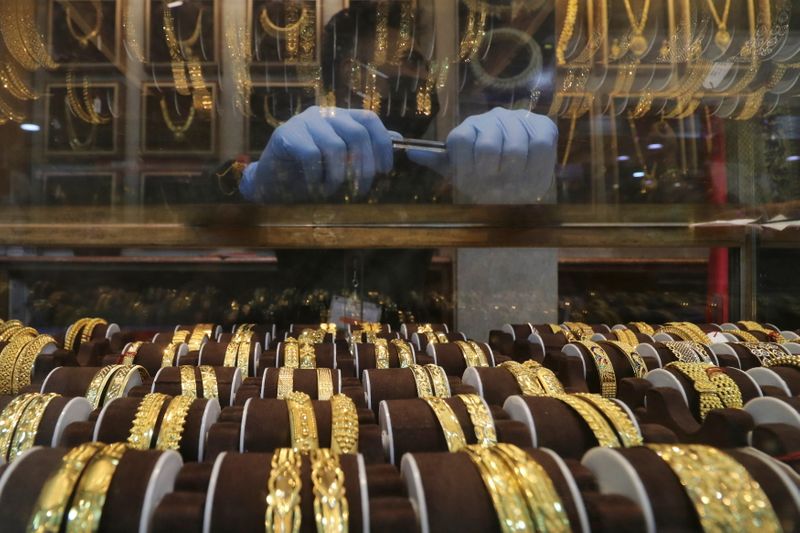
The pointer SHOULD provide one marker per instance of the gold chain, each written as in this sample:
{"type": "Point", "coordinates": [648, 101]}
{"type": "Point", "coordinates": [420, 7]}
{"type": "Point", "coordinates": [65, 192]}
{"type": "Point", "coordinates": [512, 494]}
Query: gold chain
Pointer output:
{"type": "Point", "coordinates": [94, 32]}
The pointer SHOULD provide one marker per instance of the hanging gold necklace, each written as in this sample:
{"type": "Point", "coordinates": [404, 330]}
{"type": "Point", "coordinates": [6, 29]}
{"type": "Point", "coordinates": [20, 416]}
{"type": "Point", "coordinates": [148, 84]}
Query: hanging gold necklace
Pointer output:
{"type": "Point", "coordinates": [74, 142]}
{"type": "Point", "coordinates": [178, 130]}
{"type": "Point", "coordinates": [407, 21]}
{"type": "Point", "coordinates": [474, 32]}
{"type": "Point", "coordinates": [268, 26]}
{"type": "Point", "coordinates": [94, 32]}
{"type": "Point", "coordinates": [89, 102]}
{"type": "Point", "coordinates": [649, 179]}
{"type": "Point", "coordinates": [74, 103]}
{"type": "Point", "coordinates": [722, 38]}
{"type": "Point", "coordinates": [638, 44]}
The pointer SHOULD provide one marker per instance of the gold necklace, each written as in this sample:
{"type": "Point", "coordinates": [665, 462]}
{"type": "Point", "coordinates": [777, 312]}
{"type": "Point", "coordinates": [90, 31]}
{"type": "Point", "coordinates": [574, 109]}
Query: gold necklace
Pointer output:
{"type": "Point", "coordinates": [178, 131]}
{"type": "Point", "coordinates": [87, 100]}
{"type": "Point", "coordinates": [74, 103]}
{"type": "Point", "coordinates": [74, 142]}
{"type": "Point", "coordinates": [638, 43]}
{"type": "Point", "coordinates": [176, 47]}
{"type": "Point", "coordinates": [201, 96]}
{"type": "Point", "coordinates": [84, 39]}
{"type": "Point", "coordinates": [474, 32]}
{"type": "Point", "coordinates": [570, 18]}
{"type": "Point", "coordinates": [649, 178]}
{"type": "Point", "coordinates": [722, 38]}
{"type": "Point", "coordinates": [407, 20]}
{"type": "Point", "coordinates": [267, 25]}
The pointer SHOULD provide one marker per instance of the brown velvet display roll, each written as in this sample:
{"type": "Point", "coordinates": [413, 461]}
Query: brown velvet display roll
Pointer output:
{"type": "Point", "coordinates": [746, 358]}
{"type": "Point", "coordinates": [620, 363]}
{"type": "Point", "coordinates": [421, 341]}
{"type": "Point", "coordinates": [91, 353]}
{"type": "Point", "coordinates": [496, 384]}
{"type": "Point", "coordinates": [364, 356]}
{"type": "Point", "coordinates": [521, 331]}
{"type": "Point", "coordinates": [450, 357]}
{"type": "Point", "coordinates": [22, 486]}
{"type": "Point", "coordinates": [325, 353]}
{"type": "Point", "coordinates": [151, 355]}
{"type": "Point", "coordinates": [213, 354]}
{"type": "Point", "coordinates": [239, 499]}
{"type": "Point", "coordinates": [179, 511]}
{"type": "Point", "coordinates": [388, 384]}
{"type": "Point", "coordinates": [168, 381]}
{"type": "Point", "coordinates": [791, 376]}
{"type": "Point", "coordinates": [303, 380]}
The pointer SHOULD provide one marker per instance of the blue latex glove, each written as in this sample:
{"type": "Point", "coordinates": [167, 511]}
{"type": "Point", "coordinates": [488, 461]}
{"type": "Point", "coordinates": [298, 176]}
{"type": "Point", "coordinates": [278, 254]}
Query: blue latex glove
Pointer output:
{"type": "Point", "coordinates": [502, 156]}
{"type": "Point", "coordinates": [315, 151]}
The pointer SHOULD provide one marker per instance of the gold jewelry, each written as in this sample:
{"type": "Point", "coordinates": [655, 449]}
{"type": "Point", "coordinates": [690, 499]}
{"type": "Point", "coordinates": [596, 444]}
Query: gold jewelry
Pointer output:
{"type": "Point", "coordinates": [525, 378]}
{"type": "Point", "coordinates": [131, 44]}
{"type": "Point", "coordinates": [636, 361]}
{"type": "Point", "coordinates": [564, 37]}
{"type": "Point", "coordinates": [291, 353]}
{"type": "Point", "coordinates": [643, 328]}
{"type": "Point", "coordinates": [168, 354]}
{"type": "Point", "coordinates": [209, 379]}
{"type": "Point", "coordinates": [773, 336]}
{"type": "Point", "coordinates": [724, 494]}
{"type": "Point", "coordinates": [451, 429]}
{"type": "Point", "coordinates": [302, 422]}
{"type": "Point", "coordinates": [308, 356]}
{"type": "Point", "coordinates": [627, 431]}
{"type": "Point", "coordinates": [71, 335]}
{"type": "Point", "coordinates": [324, 384]}
{"type": "Point", "coordinates": [438, 377]}
{"type": "Point", "coordinates": [243, 357]}
{"type": "Point", "coordinates": [97, 387]}
{"type": "Point", "coordinates": [8, 362]}
{"type": "Point", "coordinates": [785, 360]}
{"type": "Point", "coordinates": [116, 389]}
{"type": "Point", "coordinates": [175, 46]}
{"type": "Point", "coordinates": [405, 38]}
{"type": "Point", "coordinates": [638, 42]}
{"type": "Point", "coordinates": [763, 351]}
{"type": "Point", "coordinates": [283, 493]}
{"type": "Point", "coordinates": [627, 336]}
{"type": "Point", "coordinates": [23, 366]}
{"type": "Point", "coordinates": [181, 336]}
{"type": "Point", "coordinates": [8, 326]}
{"type": "Point", "coordinates": [9, 420]}
{"type": "Point", "coordinates": [88, 329]}
{"type": "Point", "coordinates": [695, 333]}
{"type": "Point", "coordinates": [129, 355]}
{"type": "Point", "coordinates": [230, 353]}
{"type": "Point", "coordinates": [28, 426]}
{"type": "Point", "coordinates": [285, 382]}
{"type": "Point", "coordinates": [198, 336]}
{"type": "Point", "coordinates": [743, 336]}
{"type": "Point", "coordinates": [201, 95]}
{"type": "Point", "coordinates": [482, 360]}
{"type": "Point", "coordinates": [51, 505]}
{"type": "Point", "coordinates": [14, 84]}
{"type": "Point", "coordinates": [605, 370]}
{"type": "Point", "coordinates": [683, 352]}
{"type": "Point", "coordinates": [344, 425]}
{"type": "Point", "coordinates": [90, 494]}
{"type": "Point", "coordinates": [140, 436]}
{"type": "Point", "coordinates": [722, 38]}
{"type": "Point", "coordinates": [22, 37]}
{"type": "Point", "coordinates": [481, 417]}
{"type": "Point", "coordinates": [381, 353]}
{"type": "Point", "coordinates": [470, 357]}
{"type": "Point", "coordinates": [267, 25]}
{"type": "Point", "coordinates": [580, 330]}
{"type": "Point", "coordinates": [547, 378]}
{"type": "Point", "coordinates": [649, 173]}
{"type": "Point", "coordinates": [331, 510]}
{"type": "Point", "coordinates": [188, 381]}
{"type": "Point", "coordinates": [404, 353]}
{"type": "Point", "coordinates": [422, 380]}
{"type": "Point", "coordinates": [171, 429]}
{"type": "Point", "coordinates": [715, 389]}
{"type": "Point", "coordinates": [597, 423]}
{"type": "Point", "coordinates": [178, 130]}
{"type": "Point", "coordinates": [94, 32]}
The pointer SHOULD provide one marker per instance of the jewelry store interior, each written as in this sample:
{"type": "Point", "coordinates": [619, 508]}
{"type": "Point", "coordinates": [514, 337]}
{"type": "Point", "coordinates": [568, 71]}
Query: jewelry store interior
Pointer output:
{"type": "Point", "coordinates": [399, 266]}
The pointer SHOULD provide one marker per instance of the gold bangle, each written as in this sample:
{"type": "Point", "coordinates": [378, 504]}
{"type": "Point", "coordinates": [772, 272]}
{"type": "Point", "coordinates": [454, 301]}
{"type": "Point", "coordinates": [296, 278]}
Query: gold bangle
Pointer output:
{"type": "Point", "coordinates": [381, 348]}
{"type": "Point", "coordinates": [141, 433]}
{"type": "Point", "coordinates": [8, 361]}
{"type": "Point", "coordinates": [636, 361]}
{"type": "Point", "coordinates": [51, 505]}
{"type": "Point", "coordinates": [605, 370]}
{"type": "Point", "coordinates": [122, 376]}
{"type": "Point", "coordinates": [627, 431]}
{"type": "Point", "coordinates": [498, 479]}
{"type": "Point", "coordinates": [28, 425]}
{"type": "Point", "coordinates": [7, 326]}
{"type": "Point", "coordinates": [199, 332]}
{"type": "Point", "coordinates": [694, 331]}
{"type": "Point", "coordinates": [431, 336]}
{"type": "Point", "coordinates": [171, 429]}
{"type": "Point", "coordinates": [600, 428]}
{"type": "Point", "coordinates": [230, 354]}
{"type": "Point", "coordinates": [324, 384]}
{"type": "Point", "coordinates": [243, 358]}
{"type": "Point", "coordinates": [71, 334]}
{"type": "Point", "coordinates": [438, 377]}
{"type": "Point", "coordinates": [471, 358]}
{"type": "Point", "coordinates": [525, 378]}
{"type": "Point", "coordinates": [683, 352]}
{"type": "Point", "coordinates": [168, 354]}
{"type": "Point", "coordinates": [743, 335]}
{"type": "Point", "coordinates": [88, 329]}
{"type": "Point", "coordinates": [627, 336]}
{"type": "Point", "coordinates": [773, 336]}
{"type": "Point", "coordinates": [480, 354]}
{"type": "Point", "coordinates": [356, 336]}
{"type": "Point", "coordinates": [90, 494]}
{"type": "Point", "coordinates": [422, 380]}
{"type": "Point", "coordinates": [22, 334]}
{"type": "Point", "coordinates": [482, 421]}
{"type": "Point", "coordinates": [344, 424]}
{"type": "Point", "coordinates": [283, 513]}
{"type": "Point", "coordinates": [308, 356]}
{"type": "Point", "coordinates": [580, 330]}
{"type": "Point", "coordinates": [285, 382]}
{"type": "Point", "coordinates": [547, 378]}
{"type": "Point", "coordinates": [784, 360]}
{"type": "Point", "coordinates": [764, 351]}
{"type": "Point", "coordinates": [209, 379]}
{"type": "Point", "coordinates": [25, 361]}
{"type": "Point", "coordinates": [710, 391]}
{"type": "Point", "coordinates": [181, 336]}
{"type": "Point", "coordinates": [727, 389]}
{"type": "Point", "coordinates": [331, 510]}
{"type": "Point", "coordinates": [10, 418]}
{"type": "Point", "coordinates": [97, 387]}
{"type": "Point", "coordinates": [129, 355]}
{"type": "Point", "coordinates": [291, 353]}
{"type": "Point", "coordinates": [188, 381]}
{"type": "Point", "coordinates": [404, 354]}
{"type": "Point", "coordinates": [724, 494]}
{"type": "Point", "coordinates": [302, 422]}
{"type": "Point", "coordinates": [451, 429]}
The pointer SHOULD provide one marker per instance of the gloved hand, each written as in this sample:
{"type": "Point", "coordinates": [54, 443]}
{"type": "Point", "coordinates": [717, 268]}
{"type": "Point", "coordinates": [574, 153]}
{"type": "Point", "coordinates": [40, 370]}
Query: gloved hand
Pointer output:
{"type": "Point", "coordinates": [315, 151]}
{"type": "Point", "coordinates": [502, 156]}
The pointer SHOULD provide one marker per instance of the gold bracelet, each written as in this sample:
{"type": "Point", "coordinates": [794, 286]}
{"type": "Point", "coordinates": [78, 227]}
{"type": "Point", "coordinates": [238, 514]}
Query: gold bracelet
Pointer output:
{"type": "Point", "coordinates": [784, 360]}
{"type": "Point", "coordinates": [188, 381]}
{"type": "Point", "coordinates": [547, 378]}
{"type": "Point", "coordinates": [683, 352]}
{"type": "Point", "coordinates": [356, 336]}
{"type": "Point", "coordinates": [28, 425]}
{"type": "Point", "coordinates": [525, 378]}
{"type": "Point", "coordinates": [724, 494]}
{"type": "Point", "coordinates": [705, 388]}
{"type": "Point", "coordinates": [9, 420]}
{"type": "Point", "coordinates": [70, 336]}
{"type": "Point", "coordinates": [451, 429]}
{"type": "Point", "coordinates": [9, 325]}
{"type": "Point", "coordinates": [285, 382]}
{"type": "Point", "coordinates": [499, 481]}
{"type": "Point", "coordinates": [727, 389]}
{"type": "Point", "coordinates": [331, 510]}
{"type": "Point", "coordinates": [51, 505]}
{"type": "Point", "coordinates": [243, 358]}
{"type": "Point", "coordinates": [743, 335]}
{"type": "Point", "coordinates": [324, 384]}
{"type": "Point", "coordinates": [441, 387]}
{"type": "Point", "coordinates": [230, 354]}
{"type": "Point", "coordinates": [431, 337]}
{"type": "Point", "coordinates": [23, 367]}
{"type": "Point", "coordinates": [168, 357]}
{"type": "Point", "coordinates": [481, 417]}
{"type": "Point", "coordinates": [90, 494]}
{"type": "Point", "coordinates": [97, 387]}
{"type": "Point", "coordinates": [21, 334]}
{"type": "Point", "coordinates": [644, 328]}
{"type": "Point", "coordinates": [209, 379]}
{"type": "Point", "coordinates": [171, 429]}
{"type": "Point", "coordinates": [772, 335]}
{"type": "Point", "coordinates": [764, 351]}
{"type": "Point", "coordinates": [627, 336]}
{"type": "Point", "coordinates": [636, 361]}
{"type": "Point", "coordinates": [302, 422]}
{"type": "Point", "coordinates": [481, 355]}
{"type": "Point", "coordinates": [605, 370]}
{"type": "Point", "coordinates": [283, 513]}
{"type": "Point", "coordinates": [381, 348]}
{"type": "Point", "coordinates": [199, 332]}
{"type": "Point", "coordinates": [694, 331]}
{"type": "Point", "coordinates": [141, 433]}
{"type": "Point", "coordinates": [181, 336]}
{"type": "Point", "coordinates": [8, 361]}
{"type": "Point", "coordinates": [470, 357]}
{"type": "Point", "coordinates": [344, 425]}
{"type": "Point", "coordinates": [627, 431]}
{"type": "Point", "coordinates": [404, 353]}
{"type": "Point", "coordinates": [116, 389]}
{"type": "Point", "coordinates": [422, 380]}
{"type": "Point", "coordinates": [291, 353]}
{"type": "Point", "coordinates": [705, 353]}
{"type": "Point", "coordinates": [129, 356]}
{"type": "Point", "coordinates": [308, 356]}
{"type": "Point", "coordinates": [580, 330]}
{"type": "Point", "coordinates": [544, 505]}
{"type": "Point", "coordinates": [600, 428]}
{"type": "Point", "coordinates": [88, 329]}
{"type": "Point", "coordinates": [441, 337]}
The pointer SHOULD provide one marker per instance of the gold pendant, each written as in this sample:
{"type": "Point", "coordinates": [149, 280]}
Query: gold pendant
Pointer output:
{"type": "Point", "coordinates": [638, 45]}
{"type": "Point", "coordinates": [722, 38]}
{"type": "Point", "coordinates": [616, 49]}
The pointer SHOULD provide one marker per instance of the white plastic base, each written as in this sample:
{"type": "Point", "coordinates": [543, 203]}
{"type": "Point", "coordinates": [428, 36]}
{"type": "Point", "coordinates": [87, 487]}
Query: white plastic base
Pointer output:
{"type": "Point", "coordinates": [409, 470]}
{"type": "Point", "coordinates": [387, 437]}
{"type": "Point", "coordinates": [162, 481]}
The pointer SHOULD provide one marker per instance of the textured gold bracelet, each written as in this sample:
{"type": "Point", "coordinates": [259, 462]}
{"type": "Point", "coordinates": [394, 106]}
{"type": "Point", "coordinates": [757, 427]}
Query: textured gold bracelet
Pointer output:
{"type": "Point", "coordinates": [243, 358]}
{"type": "Point", "coordinates": [9, 420]}
{"type": "Point", "coordinates": [727, 389]}
{"type": "Point", "coordinates": [51, 505]}
{"type": "Point", "coordinates": [143, 428]}
{"type": "Point", "coordinates": [580, 330]}
{"type": "Point", "coordinates": [71, 334]}
{"type": "Point", "coordinates": [188, 381]}
{"type": "Point", "coordinates": [547, 378]}
{"type": "Point", "coordinates": [171, 429]}
{"type": "Point", "coordinates": [88, 329]}
{"type": "Point", "coordinates": [422, 380]}
{"type": "Point", "coordinates": [97, 387]}
{"type": "Point", "coordinates": [691, 330]}
{"type": "Point", "coordinates": [90, 495]}
{"type": "Point", "coordinates": [772, 335]}
{"type": "Point", "coordinates": [344, 424]}
{"type": "Point", "coordinates": [482, 421]}
{"type": "Point", "coordinates": [470, 357]}
{"type": "Point", "coordinates": [324, 384]}
{"type": "Point", "coordinates": [702, 349]}
{"type": "Point", "coordinates": [431, 337]}
{"type": "Point", "coordinates": [200, 332]}
{"type": "Point", "coordinates": [28, 425]}
{"type": "Point", "coordinates": [525, 378]}
{"type": "Point", "coordinates": [785, 360]}
{"type": "Point", "coordinates": [308, 356]}
{"type": "Point", "coordinates": [764, 351]}
{"type": "Point", "coordinates": [22, 334]}
{"type": "Point", "coordinates": [636, 361]}
{"type": "Point", "coordinates": [23, 367]}
{"type": "Point", "coordinates": [8, 361]}
{"type": "Point", "coordinates": [706, 389]}
{"type": "Point", "coordinates": [448, 422]}
{"type": "Point", "coordinates": [9, 325]}
{"type": "Point", "coordinates": [683, 352]}
{"type": "Point", "coordinates": [302, 422]}
{"type": "Point", "coordinates": [168, 354]}
{"type": "Point", "coordinates": [129, 355]}
{"type": "Point", "coordinates": [291, 353]}
{"type": "Point", "coordinates": [627, 431]}
{"type": "Point", "coordinates": [724, 494]}
{"type": "Point", "coordinates": [181, 336]}
{"type": "Point", "coordinates": [605, 370]}
{"type": "Point", "coordinates": [600, 427]}
{"type": "Point", "coordinates": [404, 353]}
{"type": "Point", "coordinates": [116, 389]}
{"type": "Point", "coordinates": [441, 386]}
{"type": "Point", "coordinates": [381, 348]}
{"type": "Point", "coordinates": [285, 382]}
{"type": "Point", "coordinates": [208, 377]}
{"type": "Point", "coordinates": [230, 354]}
{"type": "Point", "coordinates": [627, 336]}
{"type": "Point", "coordinates": [283, 513]}
{"type": "Point", "coordinates": [506, 496]}
{"type": "Point", "coordinates": [479, 353]}
{"type": "Point", "coordinates": [644, 328]}
{"type": "Point", "coordinates": [331, 509]}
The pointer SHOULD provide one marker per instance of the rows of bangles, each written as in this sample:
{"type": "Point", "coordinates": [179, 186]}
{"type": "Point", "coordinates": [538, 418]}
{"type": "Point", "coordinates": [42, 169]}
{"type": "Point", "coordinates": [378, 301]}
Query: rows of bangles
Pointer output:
{"type": "Point", "coordinates": [81, 409]}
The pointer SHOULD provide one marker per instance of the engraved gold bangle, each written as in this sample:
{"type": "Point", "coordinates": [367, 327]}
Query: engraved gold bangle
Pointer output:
{"type": "Point", "coordinates": [637, 363]}
{"type": "Point", "coordinates": [90, 495]}
{"type": "Point", "coordinates": [438, 377]}
{"type": "Point", "coordinates": [547, 378]}
{"type": "Point", "coordinates": [88, 329]}
{"type": "Point", "coordinates": [129, 356]}
{"type": "Point", "coordinates": [764, 350]}
{"type": "Point", "coordinates": [51, 505]}
{"type": "Point", "coordinates": [8, 361]}
{"type": "Point", "coordinates": [644, 328]}
{"type": "Point", "coordinates": [344, 424]}
{"type": "Point", "coordinates": [243, 358]}
{"type": "Point", "coordinates": [283, 513]}
{"type": "Point", "coordinates": [627, 431]}
{"type": "Point", "coordinates": [404, 353]}
{"type": "Point", "coordinates": [597, 423]}
{"type": "Point", "coordinates": [188, 381]}
{"type": "Point", "coordinates": [331, 509]}
{"type": "Point", "coordinates": [23, 367]}
{"type": "Point", "coordinates": [724, 494]}
{"type": "Point", "coordinates": [627, 336]}
{"type": "Point", "coordinates": [208, 377]}
{"type": "Point", "coordinates": [21, 334]}
{"type": "Point", "coordinates": [9, 420]}
{"type": "Point", "coordinates": [116, 388]}
{"type": "Point", "coordinates": [605, 370]}
{"type": "Point", "coordinates": [503, 490]}
{"type": "Point", "coordinates": [181, 336]}
{"type": "Point", "coordinates": [168, 354]}
{"type": "Point", "coordinates": [72, 333]}
{"type": "Point", "coordinates": [171, 429]}
{"type": "Point", "coordinates": [302, 422]}
{"type": "Point", "coordinates": [471, 358]}
{"type": "Point", "coordinates": [422, 380]}
{"type": "Point", "coordinates": [580, 330]}
{"type": "Point", "coordinates": [785, 360]}
{"type": "Point", "coordinates": [381, 353]}
{"type": "Point", "coordinates": [479, 353]}
{"type": "Point", "coordinates": [715, 389]}
{"type": "Point", "coordinates": [683, 352]}
{"type": "Point", "coordinates": [291, 353]}
{"type": "Point", "coordinates": [285, 382]}
{"type": "Point", "coordinates": [481, 418]}
{"type": "Point", "coordinates": [230, 354]}
{"type": "Point", "coordinates": [451, 429]}
{"type": "Point", "coordinates": [308, 356]}
{"type": "Point", "coordinates": [199, 332]}
{"type": "Point", "coordinates": [97, 387]}
{"type": "Point", "coordinates": [143, 427]}
{"type": "Point", "coordinates": [324, 384]}
{"type": "Point", "coordinates": [525, 378]}
{"type": "Point", "coordinates": [28, 425]}
{"type": "Point", "coordinates": [431, 337]}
